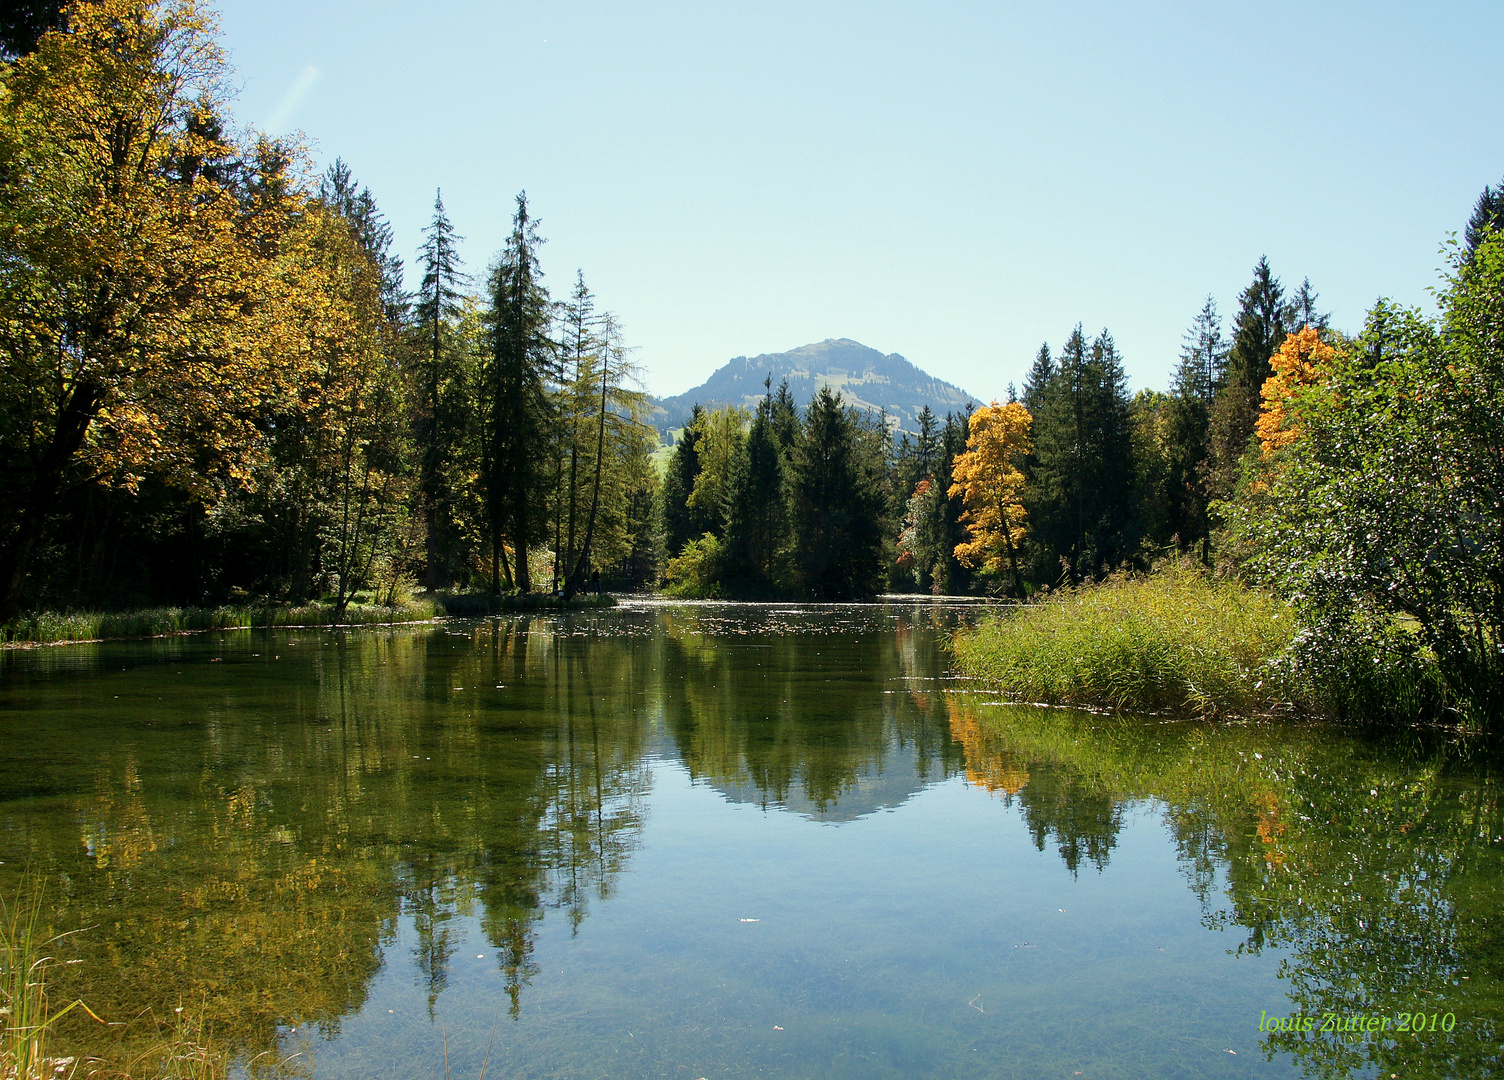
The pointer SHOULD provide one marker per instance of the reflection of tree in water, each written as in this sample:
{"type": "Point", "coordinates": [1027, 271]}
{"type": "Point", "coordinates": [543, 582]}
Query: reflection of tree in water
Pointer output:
{"type": "Point", "coordinates": [1376, 865]}
{"type": "Point", "coordinates": [258, 873]}
{"type": "Point", "coordinates": [1056, 803]}
{"type": "Point", "coordinates": [801, 717]}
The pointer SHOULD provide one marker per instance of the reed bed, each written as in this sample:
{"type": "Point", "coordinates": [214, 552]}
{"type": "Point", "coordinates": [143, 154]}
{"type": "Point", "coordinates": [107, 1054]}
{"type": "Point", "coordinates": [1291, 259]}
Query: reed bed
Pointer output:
{"type": "Point", "coordinates": [50, 627]}
{"type": "Point", "coordinates": [1177, 641]}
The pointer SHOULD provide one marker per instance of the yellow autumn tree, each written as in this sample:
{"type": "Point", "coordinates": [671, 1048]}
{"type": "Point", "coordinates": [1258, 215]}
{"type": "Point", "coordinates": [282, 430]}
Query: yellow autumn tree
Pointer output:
{"type": "Point", "coordinates": [987, 476]}
{"type": "Point", "coordinates": [137, 247]}
{"type": "Point", "coordinates": [1300, 362]}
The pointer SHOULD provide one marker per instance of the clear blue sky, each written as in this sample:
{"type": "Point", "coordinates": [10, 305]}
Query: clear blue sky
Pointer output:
{"type": "Point", "coordinates": [957, 183]}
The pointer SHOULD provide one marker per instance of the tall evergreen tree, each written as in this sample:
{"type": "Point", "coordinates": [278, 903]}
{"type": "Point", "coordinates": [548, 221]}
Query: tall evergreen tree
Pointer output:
{"type": "Point", "coordinates": [1080, 496]}
{"type": "Point", "coordinates": [754, 551]}
{"type": "Point", "coordinates": [515, 402]}
{"type": "Point", "coordinates": [441, 397]}
{"type": "Point", "coordinates": [1038, 379]}
{"type": "Point", "coordinates": [1186, 430]}
{"type": "Point", "coordinates": [1264, 319]}
{"type": "Point", "coordinates": [1488, 215]}
{"type": "Point", "coordinates": [678, 484]}
{"type": "Point", "coordinates": [838, 501]}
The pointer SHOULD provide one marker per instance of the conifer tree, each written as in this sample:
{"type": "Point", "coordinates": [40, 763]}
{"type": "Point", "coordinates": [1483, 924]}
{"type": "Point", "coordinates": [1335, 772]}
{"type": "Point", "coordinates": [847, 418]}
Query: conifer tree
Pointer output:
{"type": "Point", "coordinates": [1080, 494]}
{"type": "Point", "coordinates": [1186, 426]}
{"type": "Point", "coordinates": [1488, 215]}
{"type": "Point", "coordinates": [838, 501]}
{"type": "Point", "coordinates": [515, 403]}
{"type": "Point", "coordinates": [441, 398]}
{"type": "Point", "coordinates": [678, 483]}
{"type": "Point", "coordinates": [757, 524]}
{"type": "Point", "coordinates": [1263, 320]}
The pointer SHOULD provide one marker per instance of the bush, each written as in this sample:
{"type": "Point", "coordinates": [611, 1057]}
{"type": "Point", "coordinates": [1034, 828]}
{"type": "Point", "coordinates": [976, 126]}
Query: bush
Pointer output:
{"type": "Point", "coordinates": [695, 571]}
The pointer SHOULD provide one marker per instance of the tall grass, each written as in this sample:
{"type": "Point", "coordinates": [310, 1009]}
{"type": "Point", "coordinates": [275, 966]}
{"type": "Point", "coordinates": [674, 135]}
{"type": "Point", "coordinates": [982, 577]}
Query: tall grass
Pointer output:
{"type": "Point", "coordinates": [26, 1051]}
{"type": "Point", "coordinates": [50, 627]}
{"type": "Point", "coordinates": [1177, 641]}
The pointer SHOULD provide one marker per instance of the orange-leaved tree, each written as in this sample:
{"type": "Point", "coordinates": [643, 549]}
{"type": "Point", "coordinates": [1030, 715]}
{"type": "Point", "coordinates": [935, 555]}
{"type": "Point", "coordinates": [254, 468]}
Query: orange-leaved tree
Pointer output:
{"type": "Point", "coordinates": [1301, 362]}
{"type": "Point", "coordinates": [987, 476]}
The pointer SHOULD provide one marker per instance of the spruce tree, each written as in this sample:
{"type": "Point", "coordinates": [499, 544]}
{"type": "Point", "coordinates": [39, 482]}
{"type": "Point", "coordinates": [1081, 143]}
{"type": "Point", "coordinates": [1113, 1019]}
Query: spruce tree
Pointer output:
{"type": "Point", "coordinates": [1187, 430]}
{"type": "Point", "coordinates": [678, 483]}
{"type": "Point", "coordinates": [838, 501]}
{"type": "Point", "coordinates": [442, 400]}
{"type": "Point", "coordinates": [1080, 495]}
{"type": "Point", "coordinates": [516, 407]}
{"type": "Point", "coordinates": [753, 553]}
{"type": "Point", "coordinates": [1488, 215]}
{"type": "Point", "coordinates": [1263, 320]}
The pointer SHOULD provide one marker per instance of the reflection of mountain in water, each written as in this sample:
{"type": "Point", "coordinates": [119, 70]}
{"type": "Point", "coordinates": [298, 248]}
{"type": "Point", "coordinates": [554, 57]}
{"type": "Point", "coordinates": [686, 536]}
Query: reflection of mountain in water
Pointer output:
{"type": "Point", "coordinates": [790, 715]}
{"type": "Point", "coordinates": [886, 781]}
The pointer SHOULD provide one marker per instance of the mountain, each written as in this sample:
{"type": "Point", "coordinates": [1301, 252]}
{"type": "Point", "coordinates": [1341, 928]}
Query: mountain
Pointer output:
{"type": "Point", "coordinates": [865, 378]}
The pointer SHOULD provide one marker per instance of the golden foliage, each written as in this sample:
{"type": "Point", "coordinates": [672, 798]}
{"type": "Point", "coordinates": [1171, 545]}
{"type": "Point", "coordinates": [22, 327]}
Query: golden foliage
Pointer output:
{"type": "Point", "coordinates": [139, 243]}
{"type": "Point", "coordinates": [987, 476]}
{"type": "Point", "coordinates": [1301, 361]}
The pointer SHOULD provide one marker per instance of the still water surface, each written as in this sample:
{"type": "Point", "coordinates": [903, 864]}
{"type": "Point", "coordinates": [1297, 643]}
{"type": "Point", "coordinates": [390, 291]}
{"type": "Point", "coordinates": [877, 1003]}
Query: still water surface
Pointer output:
{"type": "Point", "coordinates": [674, 840]}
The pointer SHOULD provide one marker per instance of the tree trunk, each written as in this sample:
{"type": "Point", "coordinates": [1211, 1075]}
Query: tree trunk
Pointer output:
{"type": "Point", "coordinates": [68, 436]}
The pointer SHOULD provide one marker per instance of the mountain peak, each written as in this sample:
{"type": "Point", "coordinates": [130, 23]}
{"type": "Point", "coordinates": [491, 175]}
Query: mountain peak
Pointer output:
{"type": "Point", "coordinates": [863, 376]}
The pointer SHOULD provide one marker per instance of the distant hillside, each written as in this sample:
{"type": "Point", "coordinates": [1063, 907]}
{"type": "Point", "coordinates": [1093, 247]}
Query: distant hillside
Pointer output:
{"type": "Point", "coordinates": [865, 378]}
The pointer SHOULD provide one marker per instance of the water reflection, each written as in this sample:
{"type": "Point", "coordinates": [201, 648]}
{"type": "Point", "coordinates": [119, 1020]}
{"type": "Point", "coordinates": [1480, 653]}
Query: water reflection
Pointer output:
{"type": "Point", "coordinates": [1373, 865]}
{"type": "Point", "coordinates": [261, 827]}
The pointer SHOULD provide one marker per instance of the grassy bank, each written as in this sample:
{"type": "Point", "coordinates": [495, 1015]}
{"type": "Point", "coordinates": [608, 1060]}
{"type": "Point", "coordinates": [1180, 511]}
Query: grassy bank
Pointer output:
{"type": "Point", "coordinates": [49, 627]}
{"type": "Point", "coordinates": [1177, 641]}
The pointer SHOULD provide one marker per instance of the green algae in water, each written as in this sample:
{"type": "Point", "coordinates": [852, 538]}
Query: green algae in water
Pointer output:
{"type": "Point", "coordinates": [702, 840]}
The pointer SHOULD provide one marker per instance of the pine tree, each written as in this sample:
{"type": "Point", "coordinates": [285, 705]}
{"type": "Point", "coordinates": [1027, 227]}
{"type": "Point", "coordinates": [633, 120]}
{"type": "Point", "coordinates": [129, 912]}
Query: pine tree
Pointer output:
{"type": "Point", "coordinates": [1186, 431]}
{"type": "Point", "coordinates": [516, 408]}
{"type": "Point", "coordinates": [754, 551]}
{"type": "Point", "coordinates": [678, 483]}
{"type": "Point", "coordinates": [1038, 379]}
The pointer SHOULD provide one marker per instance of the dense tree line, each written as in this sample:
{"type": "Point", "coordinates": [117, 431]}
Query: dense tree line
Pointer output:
{"type": "Point", "coordinates": [215, 384]}
{"type": "Point", "coordinates": [781, 502]}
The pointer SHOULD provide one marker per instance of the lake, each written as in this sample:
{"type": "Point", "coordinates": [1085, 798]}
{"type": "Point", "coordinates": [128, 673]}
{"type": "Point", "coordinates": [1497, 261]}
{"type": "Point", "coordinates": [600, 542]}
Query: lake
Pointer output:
{"type": "Point", "coordinates": [719, 840]}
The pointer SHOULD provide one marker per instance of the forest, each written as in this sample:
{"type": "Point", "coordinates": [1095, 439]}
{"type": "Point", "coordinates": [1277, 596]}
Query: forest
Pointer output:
{"type": "Point", "coordinates": [217, 387]}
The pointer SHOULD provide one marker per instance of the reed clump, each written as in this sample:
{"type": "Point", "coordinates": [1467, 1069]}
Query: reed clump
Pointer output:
{"type": "Point", "coordinates": [1176, 641]}
{"type": "Point", "coordinates": [27, 1050]}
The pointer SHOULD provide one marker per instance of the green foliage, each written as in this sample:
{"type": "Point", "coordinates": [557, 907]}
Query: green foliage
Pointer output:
{"type": "Point", "coordinates": [1079, 497]}
{"type": "Point", "coordinates": [1382, 517]}
{"type": "Point", "coordinates": [696, 571]}
{"type": "Point", "coordinates": [839, 502]}
{"type": "Point", "coordinates": [515, 407]}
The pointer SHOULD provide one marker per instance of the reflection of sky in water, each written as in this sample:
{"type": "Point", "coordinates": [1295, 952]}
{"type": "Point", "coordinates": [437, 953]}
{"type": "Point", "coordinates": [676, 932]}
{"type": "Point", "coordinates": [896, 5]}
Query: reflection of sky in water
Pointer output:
{"type": "Point", "coordinates": [710, 839]}
{"type": "Point", "coordinates": [924, 941]}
